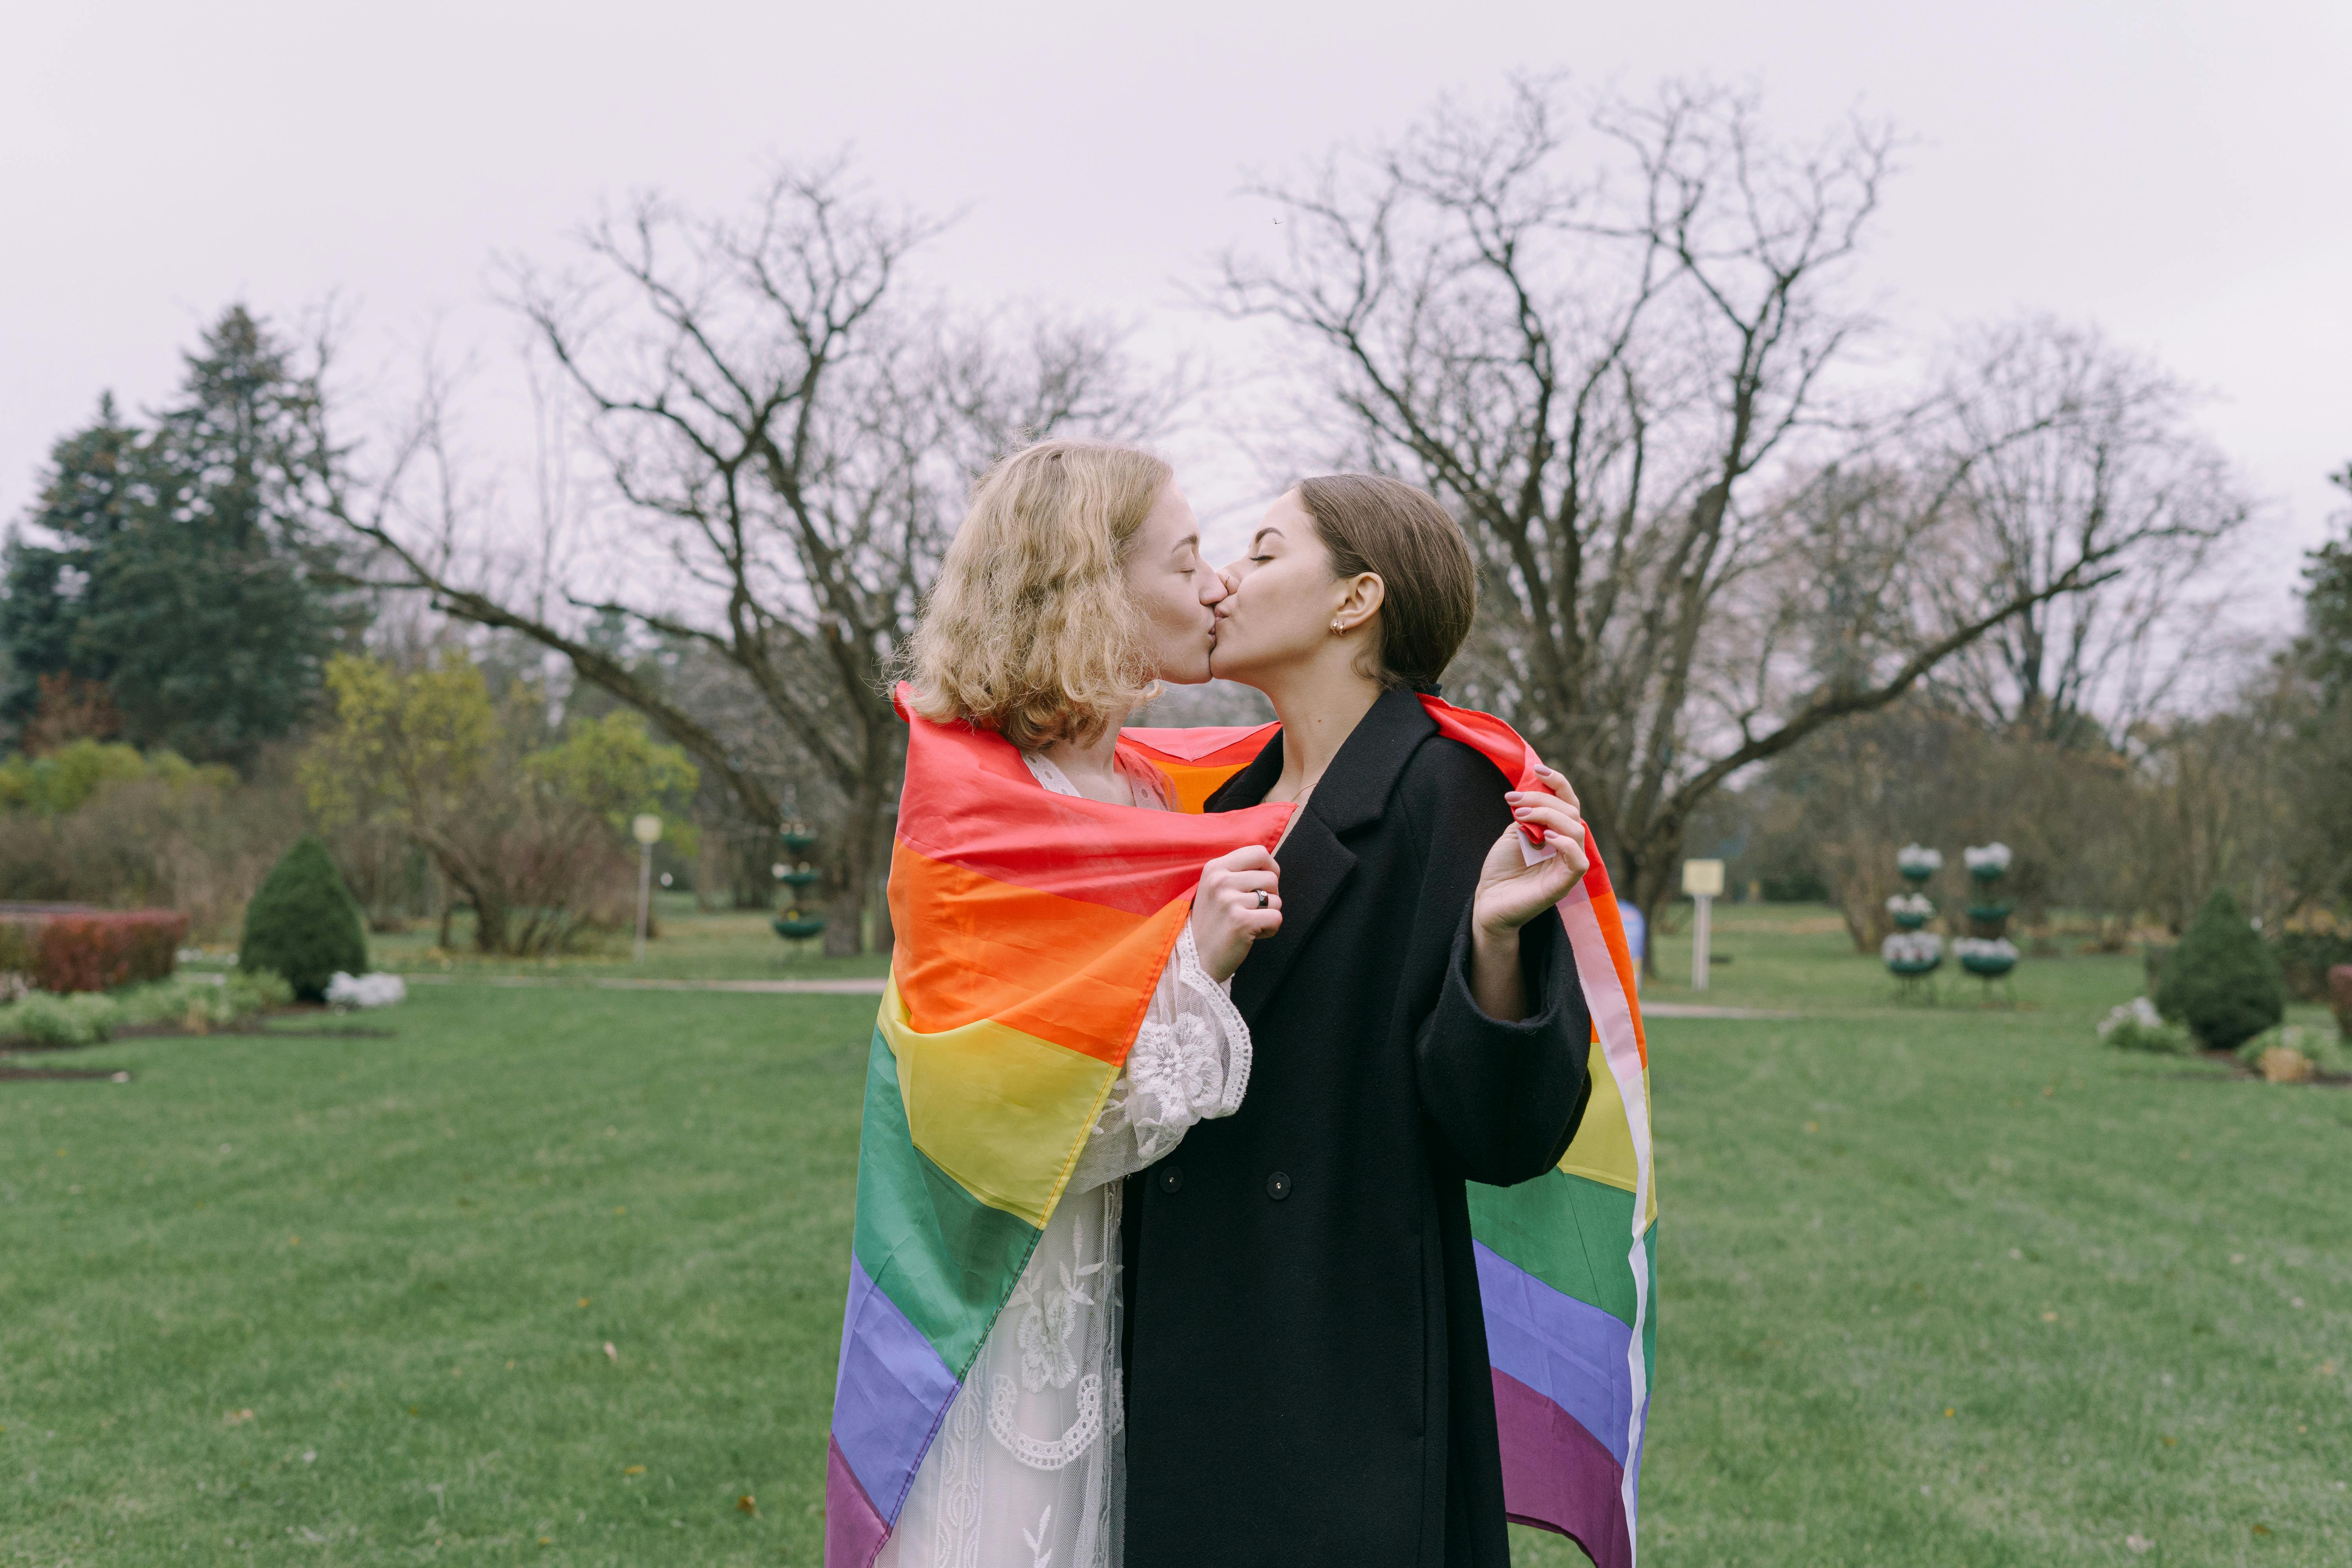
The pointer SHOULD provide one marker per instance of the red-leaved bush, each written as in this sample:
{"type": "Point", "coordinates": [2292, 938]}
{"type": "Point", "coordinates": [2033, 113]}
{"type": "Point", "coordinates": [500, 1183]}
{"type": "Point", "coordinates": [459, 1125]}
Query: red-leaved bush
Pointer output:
{"type": "Point", "coordinates": [95, 949]}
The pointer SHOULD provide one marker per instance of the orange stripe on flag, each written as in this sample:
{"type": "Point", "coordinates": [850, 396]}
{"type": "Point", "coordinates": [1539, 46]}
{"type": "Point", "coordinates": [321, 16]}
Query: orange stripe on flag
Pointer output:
{"type": "Point", "coordinates": [1194, 786]}
{"type": "Point", "coordinates": [1078, 974]}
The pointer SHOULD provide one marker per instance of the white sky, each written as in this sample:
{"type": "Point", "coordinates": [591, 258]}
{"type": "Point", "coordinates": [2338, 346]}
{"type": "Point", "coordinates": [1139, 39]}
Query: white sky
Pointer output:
{"type": "Point", "coordinates": [2180, 173]}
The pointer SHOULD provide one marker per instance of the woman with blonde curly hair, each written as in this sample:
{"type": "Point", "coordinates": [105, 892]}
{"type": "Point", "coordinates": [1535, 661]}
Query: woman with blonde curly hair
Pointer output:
{"type": "Point", "coordinates": [1074, 587]}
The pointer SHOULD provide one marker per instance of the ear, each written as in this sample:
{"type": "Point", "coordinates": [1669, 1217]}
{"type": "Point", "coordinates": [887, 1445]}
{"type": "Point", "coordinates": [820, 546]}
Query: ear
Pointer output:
{"type": "Point", "coordinates": [1360, 598]}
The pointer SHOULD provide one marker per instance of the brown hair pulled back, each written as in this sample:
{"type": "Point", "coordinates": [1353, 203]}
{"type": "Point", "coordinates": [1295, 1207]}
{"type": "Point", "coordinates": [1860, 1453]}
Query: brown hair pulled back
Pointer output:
{"type": "Point", "coordinates": [1369, 522]}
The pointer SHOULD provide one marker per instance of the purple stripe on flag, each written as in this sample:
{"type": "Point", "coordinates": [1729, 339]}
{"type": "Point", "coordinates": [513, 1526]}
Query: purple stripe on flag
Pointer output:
{"type": "Point", "coordinates": [854, 1532]}
{"type": "Point", "coordinates": [1555, 1476]}
{"type": "Point", "coordinates": [1572, 1352]}
{"type": "Point", "coordinates": [892, 1390]}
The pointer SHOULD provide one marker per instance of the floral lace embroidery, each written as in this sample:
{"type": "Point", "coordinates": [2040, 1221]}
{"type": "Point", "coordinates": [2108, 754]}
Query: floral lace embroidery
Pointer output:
{"type": "Point", "coordinates": [1051, 1326]}
{"type": "Point", "coordinates": [1172, 1072]}
{"type": "Point", "coordinates": [1040, 1555]}
{"type": "Point", "coordinates": [1045, 1453]}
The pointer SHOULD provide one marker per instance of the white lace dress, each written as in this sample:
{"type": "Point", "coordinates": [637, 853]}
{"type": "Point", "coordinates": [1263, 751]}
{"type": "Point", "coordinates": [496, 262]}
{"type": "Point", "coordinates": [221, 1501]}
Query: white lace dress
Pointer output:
{"type": "Point", "coordinates": [1029, 1468]}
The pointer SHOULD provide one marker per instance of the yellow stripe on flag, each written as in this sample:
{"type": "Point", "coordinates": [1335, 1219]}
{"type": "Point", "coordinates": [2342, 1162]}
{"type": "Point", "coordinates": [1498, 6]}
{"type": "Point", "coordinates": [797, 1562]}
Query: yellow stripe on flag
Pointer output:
{"type": "Point", "coordinates": [1001, 1111]}
{"type": "Point", "coordinates": [1603, 1146]}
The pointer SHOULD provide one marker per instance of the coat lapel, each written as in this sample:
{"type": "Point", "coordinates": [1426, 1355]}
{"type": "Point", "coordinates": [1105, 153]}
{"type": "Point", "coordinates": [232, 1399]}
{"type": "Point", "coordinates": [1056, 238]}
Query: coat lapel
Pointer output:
{"type": "Point", "coordinates": [1352, 793]}
{"type": "Point", "coordinates": [1314, 863]}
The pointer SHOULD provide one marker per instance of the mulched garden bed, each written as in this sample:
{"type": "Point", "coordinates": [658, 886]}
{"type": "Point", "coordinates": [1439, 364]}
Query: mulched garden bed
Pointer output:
{"type": "Point", "coordinates": [296, 1016]}
{"type": "Point", "coordinates": [2239, 1070]}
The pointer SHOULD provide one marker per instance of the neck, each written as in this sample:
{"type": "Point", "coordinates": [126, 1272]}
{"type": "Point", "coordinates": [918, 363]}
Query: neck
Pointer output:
{"type": "Point", "coordinates": [1320, 706]}
{"type": "Point", "coordinates": [1092, 766]}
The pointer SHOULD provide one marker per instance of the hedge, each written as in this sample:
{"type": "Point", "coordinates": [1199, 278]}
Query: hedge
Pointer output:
{"type": "Point", "coordinates": [91, 949]}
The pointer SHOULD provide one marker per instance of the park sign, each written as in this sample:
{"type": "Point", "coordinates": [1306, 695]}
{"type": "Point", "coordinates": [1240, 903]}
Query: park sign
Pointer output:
{"type": "Point", "coordinates": [1703, 880]}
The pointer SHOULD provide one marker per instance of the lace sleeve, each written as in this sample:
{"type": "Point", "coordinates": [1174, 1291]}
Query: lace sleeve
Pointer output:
{"type": "Point", "coordinates": [1191, 1063]}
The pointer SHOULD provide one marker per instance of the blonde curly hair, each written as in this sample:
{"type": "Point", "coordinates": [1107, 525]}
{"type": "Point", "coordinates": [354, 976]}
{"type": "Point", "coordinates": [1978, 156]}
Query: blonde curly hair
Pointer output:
{"type": "Point", "coordinates": [1030, 631]}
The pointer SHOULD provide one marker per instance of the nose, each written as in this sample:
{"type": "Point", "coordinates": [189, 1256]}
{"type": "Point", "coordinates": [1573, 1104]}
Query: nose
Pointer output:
{"type": "Point", "coordinates": [1213, 586]}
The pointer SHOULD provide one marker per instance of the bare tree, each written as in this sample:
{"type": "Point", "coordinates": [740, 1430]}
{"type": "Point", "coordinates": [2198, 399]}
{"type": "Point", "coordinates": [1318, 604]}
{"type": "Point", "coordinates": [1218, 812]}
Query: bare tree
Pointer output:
{"type": "Point", "coordinates": [1633, 376]}
{"type": "Point", "coordinates": [2109, 451]}
{"type": "Point", "coordinates": [788, 434]}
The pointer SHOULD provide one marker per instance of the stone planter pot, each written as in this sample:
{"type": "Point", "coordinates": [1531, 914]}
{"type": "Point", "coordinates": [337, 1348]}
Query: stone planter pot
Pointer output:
{"type": "Point", "coordinates": [798, 927]}
{"type": "Point", "coordinates": [1910, 922]}
{"type": "Point", "coordinates": [1991, 966]}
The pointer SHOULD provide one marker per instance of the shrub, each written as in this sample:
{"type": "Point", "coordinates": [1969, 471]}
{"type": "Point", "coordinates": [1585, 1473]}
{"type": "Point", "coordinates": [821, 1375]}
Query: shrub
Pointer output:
{"type": "Point", "coordinates": [86, 1019]}
{"type": "Point", "coordinates": [2137, 1026]}
{"type": "Point", "coordinates": [2305, 957]}
{"type": "Point", "coordinates": [102, 949]}
{"type": "Point", "coordinates": [303, 923]}
{"type": "Point", "coordinates": [42, 1020]}
{"type": "Point", "coordinates": [2323, 1048]}
{"type": "Point", "coordinates": [20, 946]}
{"type": "Point", "coordinates": [199, 1004]}
{"type": "Point", "coordinates": [2339, 997]}
{"type": "Point", "coordinates": [2222, 979]}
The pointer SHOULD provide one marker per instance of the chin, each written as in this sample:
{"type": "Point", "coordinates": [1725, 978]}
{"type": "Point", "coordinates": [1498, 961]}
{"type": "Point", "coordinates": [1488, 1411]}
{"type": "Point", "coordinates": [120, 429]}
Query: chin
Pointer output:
{"type": "Point", "coordinates": [1234, 670]}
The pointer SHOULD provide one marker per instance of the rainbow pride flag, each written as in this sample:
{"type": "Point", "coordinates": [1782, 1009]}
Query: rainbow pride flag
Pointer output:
{"type": "Point", "coordinates": [1032, 928]}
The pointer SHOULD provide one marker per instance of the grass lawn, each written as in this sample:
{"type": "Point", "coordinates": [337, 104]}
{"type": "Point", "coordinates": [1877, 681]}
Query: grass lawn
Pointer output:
{"type": "Point", "coordinates": [1947, 1286]}
{"type": "Point", "coordinates": [689, 945]}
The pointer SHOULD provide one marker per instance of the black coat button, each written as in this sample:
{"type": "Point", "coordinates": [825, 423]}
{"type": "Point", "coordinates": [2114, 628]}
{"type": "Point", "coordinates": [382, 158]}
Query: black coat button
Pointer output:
{"type": "Point", "coordinates": [1277, 1186]}
{"type": "Point", "coordinates": [1172, 1180]}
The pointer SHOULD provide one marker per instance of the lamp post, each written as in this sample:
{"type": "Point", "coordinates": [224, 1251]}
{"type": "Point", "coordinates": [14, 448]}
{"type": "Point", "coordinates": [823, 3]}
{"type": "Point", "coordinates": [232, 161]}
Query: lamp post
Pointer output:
{"type": "Point", "coordinates": [1703, 880]}
{"type": "Point", "coordinates": [647, 829]}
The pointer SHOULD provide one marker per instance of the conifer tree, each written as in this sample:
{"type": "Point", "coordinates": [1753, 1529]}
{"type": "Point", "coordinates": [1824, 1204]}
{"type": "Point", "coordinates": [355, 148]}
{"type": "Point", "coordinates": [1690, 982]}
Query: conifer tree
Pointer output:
{"type": "Point", "coordinates": [303, 923]}
{"type": "Point", "coordinates": [178, 565]}
{"type": "Point", "coordinates": [2222, 979]}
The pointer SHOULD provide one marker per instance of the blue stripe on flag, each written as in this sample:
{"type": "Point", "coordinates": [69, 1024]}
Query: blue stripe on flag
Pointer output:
{"type": "Point", "coordinates": [1571, 1352]}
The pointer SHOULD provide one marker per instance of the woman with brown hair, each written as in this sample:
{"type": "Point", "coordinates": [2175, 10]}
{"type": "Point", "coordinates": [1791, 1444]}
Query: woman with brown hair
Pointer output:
{"type": "Point", "coordinates": [1307, 1365]}
{"type": "Point", "coordinates": [1073, 588]}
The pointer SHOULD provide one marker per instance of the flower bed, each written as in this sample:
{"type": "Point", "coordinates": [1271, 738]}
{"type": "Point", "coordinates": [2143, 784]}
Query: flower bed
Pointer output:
{"type": "Point", "coordinates": [86, 1018]}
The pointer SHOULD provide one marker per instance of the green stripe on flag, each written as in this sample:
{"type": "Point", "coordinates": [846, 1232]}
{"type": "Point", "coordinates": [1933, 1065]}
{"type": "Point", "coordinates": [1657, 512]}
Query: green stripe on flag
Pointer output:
{"type": "Point", "coordinates": [941, 1256]}
{"type": "Point", "coordinates": [1569, 1232]}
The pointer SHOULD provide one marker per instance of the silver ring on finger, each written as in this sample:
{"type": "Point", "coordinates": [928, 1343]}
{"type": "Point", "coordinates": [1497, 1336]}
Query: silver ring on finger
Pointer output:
{"type": "Point", "coordinates": [1261, 897]}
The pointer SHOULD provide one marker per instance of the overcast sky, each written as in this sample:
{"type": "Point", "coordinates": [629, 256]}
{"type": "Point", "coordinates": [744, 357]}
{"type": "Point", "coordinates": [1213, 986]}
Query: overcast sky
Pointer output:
{"type": "Point", "coordinates": [2180, 173]}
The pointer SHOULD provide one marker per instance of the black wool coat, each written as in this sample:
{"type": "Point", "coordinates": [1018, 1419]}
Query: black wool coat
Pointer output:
{"type": "Point", "coordinates": [1306, 1360]}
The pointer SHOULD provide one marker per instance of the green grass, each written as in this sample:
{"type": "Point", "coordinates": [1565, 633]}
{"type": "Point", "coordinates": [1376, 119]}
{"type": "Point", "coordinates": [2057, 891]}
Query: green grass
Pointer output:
{"type": "Point", "coordinates": [689, 945]}
{"type": "Point", "coordinates": [425, 1383]}
{"type": "Point", "coordinates": [1872, 1214]}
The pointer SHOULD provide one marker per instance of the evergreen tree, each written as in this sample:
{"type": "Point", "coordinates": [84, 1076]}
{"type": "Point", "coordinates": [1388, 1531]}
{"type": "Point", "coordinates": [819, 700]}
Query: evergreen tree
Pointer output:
{"type": "Point", "coordinates": [2222, 980]}
{"type": "Point", "coordinates": [303, 923]}
{"type": "Point", "coordinates": [92, 495]}
{"type": "Point", "coordinates": [2325, 646]}
{"type": "Point", "coordinates": [185, 573]}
